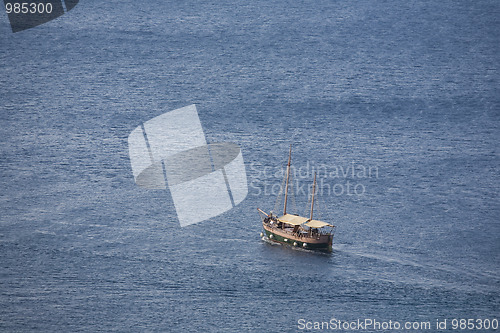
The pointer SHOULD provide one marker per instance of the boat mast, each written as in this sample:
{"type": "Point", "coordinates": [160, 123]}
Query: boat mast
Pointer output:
{"type": "Point", "coordinates": [312, 201]}
{"type": "Point", "coordinates": [287, 178]}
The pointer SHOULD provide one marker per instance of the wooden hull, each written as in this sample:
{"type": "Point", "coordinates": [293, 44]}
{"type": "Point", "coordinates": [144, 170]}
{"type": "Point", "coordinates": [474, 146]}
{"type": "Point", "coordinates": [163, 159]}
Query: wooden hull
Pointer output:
{"type": "Point", "coordinates": [317, 242]}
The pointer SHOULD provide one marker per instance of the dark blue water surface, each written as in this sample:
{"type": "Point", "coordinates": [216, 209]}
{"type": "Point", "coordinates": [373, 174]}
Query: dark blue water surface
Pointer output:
{"type": "Point", "coordinates": [406, 89]}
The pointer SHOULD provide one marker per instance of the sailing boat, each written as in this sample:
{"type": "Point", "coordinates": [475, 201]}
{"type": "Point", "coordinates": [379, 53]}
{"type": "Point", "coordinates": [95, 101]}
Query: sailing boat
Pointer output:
{"type": "Point", "coordinates": [295, 230]}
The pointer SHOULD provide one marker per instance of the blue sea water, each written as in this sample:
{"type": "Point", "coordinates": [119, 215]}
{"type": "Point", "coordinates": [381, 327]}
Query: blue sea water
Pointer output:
{"type": "Point", "coordinates": [406, 89]}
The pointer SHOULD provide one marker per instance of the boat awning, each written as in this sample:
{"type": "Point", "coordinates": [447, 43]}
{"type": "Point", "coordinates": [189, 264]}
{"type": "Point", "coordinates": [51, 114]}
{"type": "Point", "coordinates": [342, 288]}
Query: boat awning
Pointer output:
{"type": "Point", "coordinates": [292, 219]}
{"type": "Point", "coordinates": [317, 224]}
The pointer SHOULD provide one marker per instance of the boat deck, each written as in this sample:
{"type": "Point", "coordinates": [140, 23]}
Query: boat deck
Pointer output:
{"type": "Point", "coordinates": [302, 236]}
